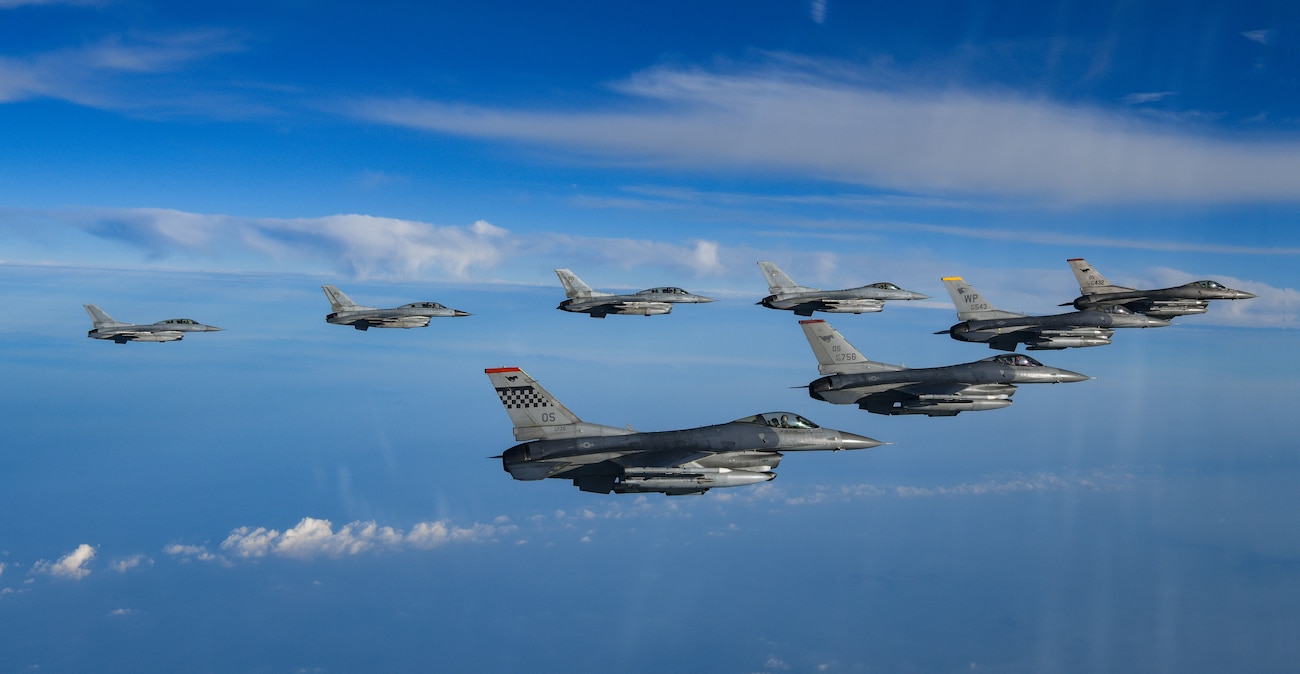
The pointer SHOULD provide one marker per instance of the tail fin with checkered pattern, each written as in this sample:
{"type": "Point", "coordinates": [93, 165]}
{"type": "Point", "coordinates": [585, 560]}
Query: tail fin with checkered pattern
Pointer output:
{"type": "Point", "coordinates": [536, 414]}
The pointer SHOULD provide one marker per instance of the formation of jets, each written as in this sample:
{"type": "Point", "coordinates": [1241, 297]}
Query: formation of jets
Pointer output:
{"type": "Point", "coordinates": [555, 443]}
{"type": "Point", "coordinates": [981, 322]}
{"type": "Point", "coordinates": [881, 388]}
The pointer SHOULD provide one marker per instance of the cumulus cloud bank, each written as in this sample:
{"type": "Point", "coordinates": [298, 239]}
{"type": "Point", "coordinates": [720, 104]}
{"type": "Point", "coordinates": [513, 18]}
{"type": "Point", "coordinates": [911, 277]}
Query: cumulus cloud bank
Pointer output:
{"type": "Point", "coordinates": [364, 246]}
{"type": "Point", "coordinates": [73, 566]}
{"type": "Point", "coordinates": [805, 118]}
{"type": "Point", "coordinates": [313, 537]}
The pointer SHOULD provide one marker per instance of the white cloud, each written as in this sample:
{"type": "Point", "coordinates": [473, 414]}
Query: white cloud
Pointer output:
{"type": "Point", "coordinates": [94, 75]}
{"type": "Point", "coordinates": [72, 566]}
{"type": "Point", "coordinates": [363, 246]}
{"type": "Point", "coordinates": [1147, 97]}
{"type": "Point", "coordinates": [187, 552]}
{"type": "Point", "coordinates": [832, 122]}
{"type": "Point", "coordinates": [313, 537]}
{"type": "Point", "coordinates": [128, 563]}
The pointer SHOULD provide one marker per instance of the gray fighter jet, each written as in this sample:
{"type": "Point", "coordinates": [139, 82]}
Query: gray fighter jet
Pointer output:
{"type": "Point", "coordinates": [881, 388]}
{"type": "Point", "coordinates": [1183, 300]}
{"type": "Point", "coordinates": [650, 302]}
{"type": "Point", "coordinates": [413, 315]}
{"type": "Point", "coordinates": [604, 459]}
{"type": "Point", "coordinates": [170, 330]}
{"type": "Point", "coordinates": [803, 301]}
{"type": "Point", "coordinates": [1005, 330]}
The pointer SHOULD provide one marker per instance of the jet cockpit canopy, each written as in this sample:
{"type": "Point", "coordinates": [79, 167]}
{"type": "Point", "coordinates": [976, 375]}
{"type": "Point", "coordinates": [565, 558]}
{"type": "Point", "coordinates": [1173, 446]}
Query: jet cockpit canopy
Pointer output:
{"type": "Point", "coordinates": [179, 321]}
{"type": "Point", "coordinates": [423, 305]}
{"type": "Point", "coordinates": [1015, 360]}
{"type": "Point", "coordinates": [778, 420]}
{"type": "Point", "coordinates": [884, 286]}
{"type": "Point", "coordinates": [1212, 285]}
{"type": "Point", "coordinates": [667, 290]}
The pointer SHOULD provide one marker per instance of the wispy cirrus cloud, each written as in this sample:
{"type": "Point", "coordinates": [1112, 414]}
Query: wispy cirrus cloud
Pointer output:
{"type": "Point", "coordinates": [114, 72]}
{"type": "Point", "coordinates": [827, 121]}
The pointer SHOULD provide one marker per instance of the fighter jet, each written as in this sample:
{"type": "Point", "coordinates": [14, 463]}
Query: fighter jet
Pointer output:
{"type": "Point", "coordinates": [604, 459]}
{"type": "Point", "coordinates": [1183, 300]}
{"type": "Point", "coordinates": [803, 301]}
{"type": "Point", "coordinates": [170, 330]}
{"type": "Point", "coordinates": [413, 315]}
{"type": "Point", "coordinates": [881, 388]}
{"type": "Point", "coordinates": [1004, 330]}
{"type": "Point", "coordinates": [582, 299]}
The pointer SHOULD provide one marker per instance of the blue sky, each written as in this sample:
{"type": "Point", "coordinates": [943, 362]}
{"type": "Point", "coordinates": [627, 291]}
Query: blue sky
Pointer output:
{"type": "Point", "coordinates": [293, 496]}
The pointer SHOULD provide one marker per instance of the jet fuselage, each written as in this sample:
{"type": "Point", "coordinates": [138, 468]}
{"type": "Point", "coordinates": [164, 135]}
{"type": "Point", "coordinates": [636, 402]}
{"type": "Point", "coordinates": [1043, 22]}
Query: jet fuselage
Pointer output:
{"type": "Point", "coordinates": [725, 455]}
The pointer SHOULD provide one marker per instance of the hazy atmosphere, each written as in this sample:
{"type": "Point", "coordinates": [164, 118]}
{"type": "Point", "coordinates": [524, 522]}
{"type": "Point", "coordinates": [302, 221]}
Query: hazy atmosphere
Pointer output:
{"type": "Point", "coordinates": [292, 496]}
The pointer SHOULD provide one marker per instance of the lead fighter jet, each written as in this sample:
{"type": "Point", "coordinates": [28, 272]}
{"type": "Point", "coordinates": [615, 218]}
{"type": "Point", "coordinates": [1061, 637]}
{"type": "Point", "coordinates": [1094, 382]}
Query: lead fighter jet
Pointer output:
{"type": "Point", "coordinates": [604, 459]}
{"type": "Point", "coordinates": [170, 330]}
{"type": "Point", "coordinates": [1005, 330]}
{"type": "Point", "coordinates": [650, 302]}
{"type": "Point", "coordinates": [413, 315]}
{"type": "Point", "coordinates": [881, 388]}
{"type": "Point", "coordinates": [803, 301]}
{"type": "Point", "coordinates": [1189, 298]}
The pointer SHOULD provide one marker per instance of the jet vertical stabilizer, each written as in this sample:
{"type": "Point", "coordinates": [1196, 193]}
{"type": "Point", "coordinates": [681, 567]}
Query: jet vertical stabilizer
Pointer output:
{"type": "Point", "coordinates": [1091, 281]}
{"type": "Point", "coordinates": [99, 317]}
{"type": "Point", "coordinates": [574, 288]}
{"type": "Point", "coordinates": [340, 301]}
{"type": "Point", "coordinates": [779, 282]}
{"type": "Point", "coordinates": [834, 353]}
{"type": "Point", "coordinates": [535, 413]}
{"type": "Point", "coordinates": [971, 306]}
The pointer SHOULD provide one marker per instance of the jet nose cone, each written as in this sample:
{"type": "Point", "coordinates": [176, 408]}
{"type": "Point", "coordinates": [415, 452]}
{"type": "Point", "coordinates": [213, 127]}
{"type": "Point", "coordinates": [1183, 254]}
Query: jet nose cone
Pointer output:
{"type": "Point", "coordinates": [853, 441]}
{"type": "Point", "coordinates": [918, 296]}
{"type": "Point", "coordinates": [458, 312]}
{"type": "Point", "coordinates": [213, 328]}
{"type": "Point", "coordinates": [1243, 295]}
{"type": "Point", "coordinates": [703, 300]}
{"type": "Point", "coordinates": [1066, 376]}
